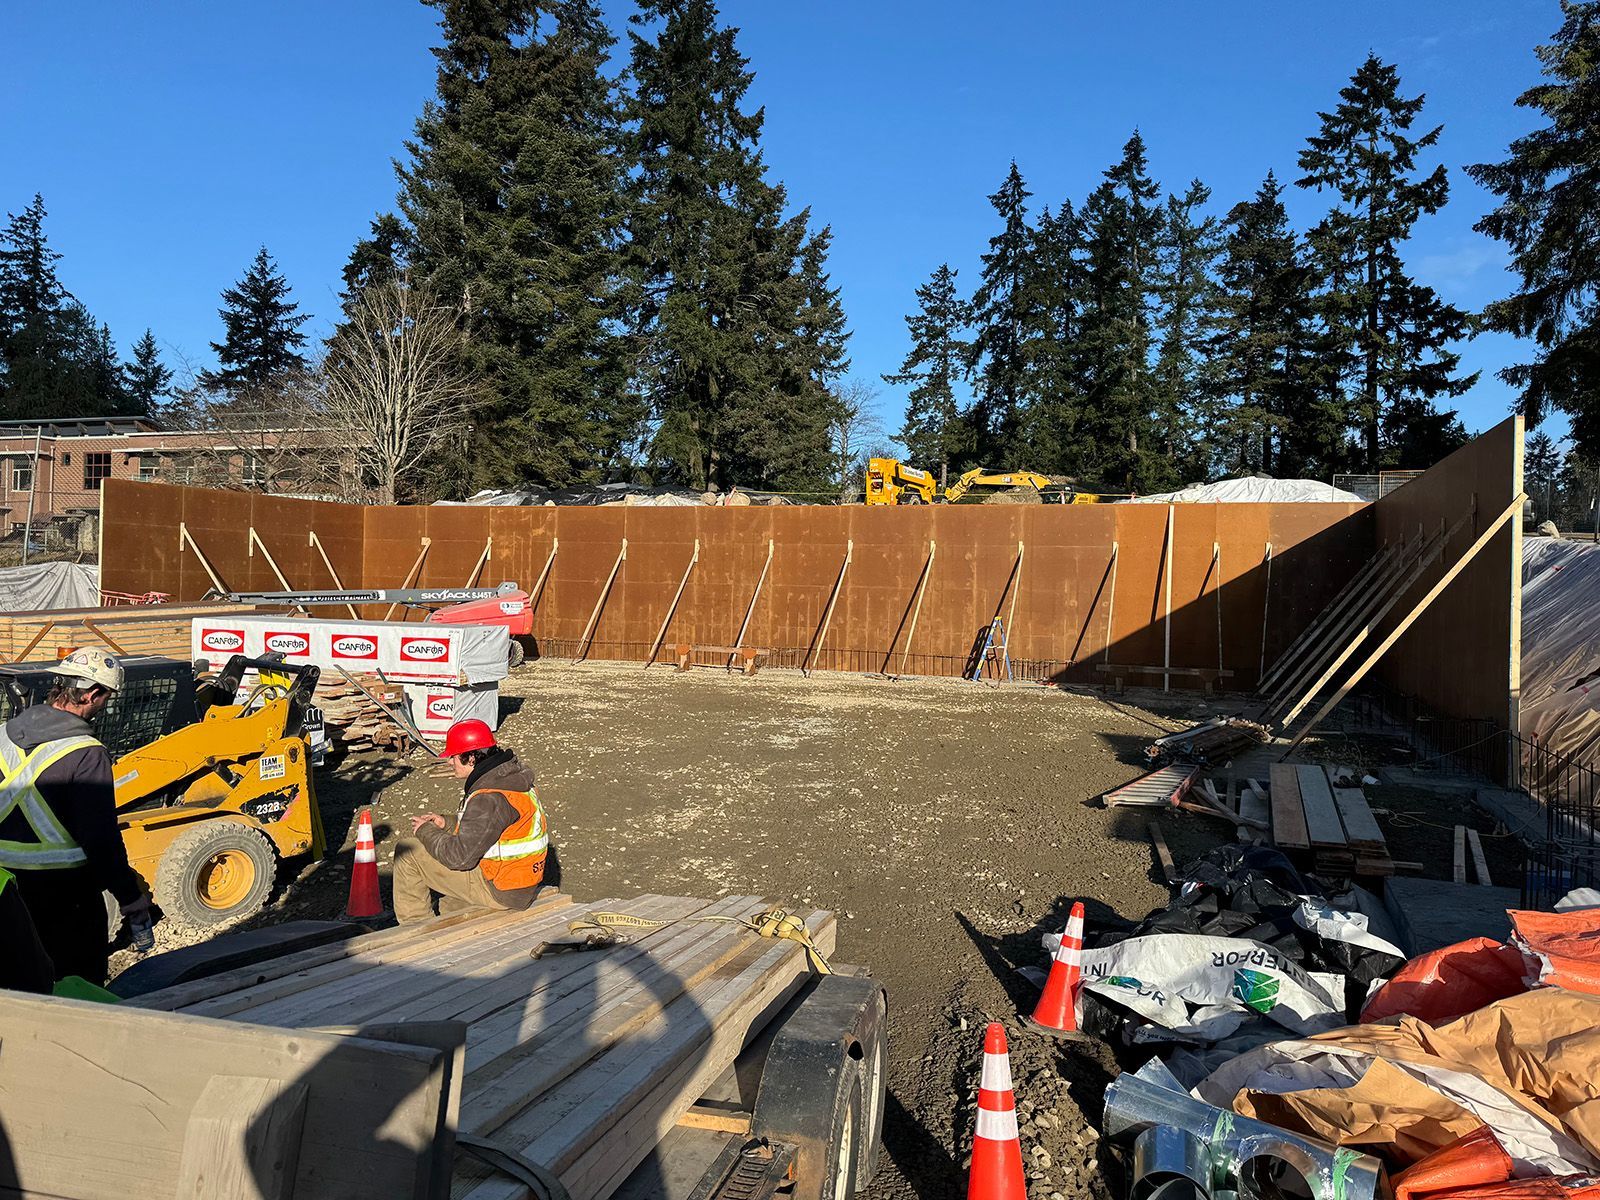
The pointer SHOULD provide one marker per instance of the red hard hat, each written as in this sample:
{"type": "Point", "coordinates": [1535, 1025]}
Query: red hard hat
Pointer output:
{"type": "Point", "coordinates": [468, 735]}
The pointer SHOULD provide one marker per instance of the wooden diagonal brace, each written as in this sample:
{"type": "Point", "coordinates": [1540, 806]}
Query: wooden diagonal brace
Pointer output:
{"type": "Point", "coordinates": [673, 607]}
{"type": "Point", "coordinates": [827, 617]}
{"type": "Point", "coordinates": [600, 602]}
{"type": "Point", "coordinates": [313, 540]}
{"type": "Point", "coordinates": [187, 538]}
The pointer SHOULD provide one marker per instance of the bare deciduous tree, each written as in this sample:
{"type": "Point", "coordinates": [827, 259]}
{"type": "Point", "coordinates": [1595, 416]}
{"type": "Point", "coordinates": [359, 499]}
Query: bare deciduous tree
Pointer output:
{"type": "Point", "coordinates": [394, 386]}
{"type": "Point", "coordinates": [856, 431]}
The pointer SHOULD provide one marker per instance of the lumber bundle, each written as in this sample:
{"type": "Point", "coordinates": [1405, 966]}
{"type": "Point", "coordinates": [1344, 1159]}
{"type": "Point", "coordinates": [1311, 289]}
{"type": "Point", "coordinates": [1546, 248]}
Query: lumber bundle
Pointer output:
{"type": "Point", "coordinates": [354, 722]}
{"type": "Point", "coordinates": [577, 1061]}
{"type": "Point", "coordinates": [143, 629]}
{"type": "Point", "coordinates": [1332, 826]}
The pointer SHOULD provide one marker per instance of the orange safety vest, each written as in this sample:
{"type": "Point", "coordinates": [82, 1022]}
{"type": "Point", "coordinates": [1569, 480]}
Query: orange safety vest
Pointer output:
{"type": "Point", "coordinates": [516, 860]}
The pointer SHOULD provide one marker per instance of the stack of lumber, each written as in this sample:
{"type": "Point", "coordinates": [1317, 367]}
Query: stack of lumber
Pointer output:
{"type": "Point", "coordinates": [578, 1061]}
{"type": "Point", "coordinates": [353, 721]}
{"type": "Point", "coordinates": [1331, 826]}
{"type": "Point", "coordinates": [143, 629]}
{"type": "Point", "coordinates": [1211, 743]}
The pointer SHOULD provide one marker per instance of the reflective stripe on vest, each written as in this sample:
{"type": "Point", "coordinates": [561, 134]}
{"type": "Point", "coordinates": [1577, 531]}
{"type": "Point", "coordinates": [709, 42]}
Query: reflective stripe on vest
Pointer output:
{"type": "Point", "coordinates": [53, 848]}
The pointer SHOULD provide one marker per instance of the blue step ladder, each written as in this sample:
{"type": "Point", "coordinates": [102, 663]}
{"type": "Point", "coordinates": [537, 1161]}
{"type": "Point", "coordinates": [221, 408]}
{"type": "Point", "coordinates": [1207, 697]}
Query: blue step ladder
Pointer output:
{"type": "Point", "coordinates": [994, 647]}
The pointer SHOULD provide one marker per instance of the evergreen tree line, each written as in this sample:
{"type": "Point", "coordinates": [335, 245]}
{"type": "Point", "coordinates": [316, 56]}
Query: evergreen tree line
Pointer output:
{"type": "Point", "coordinates": [1135, 340]}
{"type": "Point", "coordinates": [56, 360]}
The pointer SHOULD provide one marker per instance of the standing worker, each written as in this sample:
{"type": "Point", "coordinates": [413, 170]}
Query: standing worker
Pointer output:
{"type": "Point", "coordinates": [58, 817]}
{"type": "Point", "coordinates": [494, 858]}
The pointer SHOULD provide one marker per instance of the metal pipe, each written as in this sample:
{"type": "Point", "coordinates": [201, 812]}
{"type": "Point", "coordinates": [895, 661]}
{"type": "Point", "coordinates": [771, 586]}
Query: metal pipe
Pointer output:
{"type": "Point", "coordinates": [33, 490]}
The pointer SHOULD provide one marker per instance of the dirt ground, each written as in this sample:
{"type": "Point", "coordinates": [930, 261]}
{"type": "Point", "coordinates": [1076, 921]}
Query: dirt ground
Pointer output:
{"type": "Point", "coordinates": [946, 823]}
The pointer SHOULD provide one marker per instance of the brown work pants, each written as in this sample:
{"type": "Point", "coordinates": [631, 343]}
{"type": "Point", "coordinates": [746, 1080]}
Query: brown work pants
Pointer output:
{"type": "Point", "coordinates": [419, 876]}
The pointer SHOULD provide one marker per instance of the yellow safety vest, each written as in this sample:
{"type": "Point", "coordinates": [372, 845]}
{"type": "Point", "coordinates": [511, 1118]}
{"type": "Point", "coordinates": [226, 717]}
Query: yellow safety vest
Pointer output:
{"type": "Point", "coordinates": [52, 848]}
{"type": "Point", "coordinates": [516, 860]}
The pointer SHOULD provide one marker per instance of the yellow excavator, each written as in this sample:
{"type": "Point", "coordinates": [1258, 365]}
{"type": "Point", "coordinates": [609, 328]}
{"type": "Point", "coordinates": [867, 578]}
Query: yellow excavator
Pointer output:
{"type": "Point", "coordinates": [892, 482]}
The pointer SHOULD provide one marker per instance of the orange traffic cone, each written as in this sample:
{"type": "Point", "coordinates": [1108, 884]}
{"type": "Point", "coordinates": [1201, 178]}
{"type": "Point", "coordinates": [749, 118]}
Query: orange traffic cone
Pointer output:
{"type": "Point", "coordinates": [996, 1150]}
{"type": "Point", "coordinates": [365, 899]}
{"type": "Point", "coordinates": [1057, 1010]}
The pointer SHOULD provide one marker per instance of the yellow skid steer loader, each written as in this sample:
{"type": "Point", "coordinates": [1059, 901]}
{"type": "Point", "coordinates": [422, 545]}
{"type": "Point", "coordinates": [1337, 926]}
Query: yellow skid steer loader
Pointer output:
{"type": "Point", "coordinates": [209, 810]}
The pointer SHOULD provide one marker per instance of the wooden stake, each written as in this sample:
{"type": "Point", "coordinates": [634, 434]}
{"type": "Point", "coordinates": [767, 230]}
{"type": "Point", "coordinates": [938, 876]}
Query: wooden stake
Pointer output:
{"type": "Point", "coordinates": [314, 540]}
{"type": "Point", "coordinates": [488, 548]}
{"type": "Point", "coordinates": [1216, 590]}
{"type": "Point", "coordinates": [1266, 601]}
{"type": "Point", "coordinates": [827, 617]}
{"type": "Point", "coordinates": [1111, 607]}
{"type": "Point", "coordinates": [410, 575]}
{"type": "Point", "coordinates": [185, 536]}
{"type": "Point", "coordinates": [1166, 623]}
{"type": "Point", "coordinates": [538, 587]}
{"type": "Point", "coordinates": [754, 596]}
{"type": "Point", "coordinates": [1410, 618]}
{"type": "Point", "coordinates": [1459, 872]}
{"type": "Point", "coordinates": [916, 611]}
{"type": "Point", "coordinates": [1479, 862]}
{"type": "Point", "coordinates": [251, 543]}
{"type": "Point", "coordinates": [583, 642]}
{"type": "Point", "coordinates": [673, 607]}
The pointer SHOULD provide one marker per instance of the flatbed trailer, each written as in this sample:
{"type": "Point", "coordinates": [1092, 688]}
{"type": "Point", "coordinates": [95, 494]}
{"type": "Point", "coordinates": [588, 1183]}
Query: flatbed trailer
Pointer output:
{"type": "Point", "coordinates": [495, 1056]}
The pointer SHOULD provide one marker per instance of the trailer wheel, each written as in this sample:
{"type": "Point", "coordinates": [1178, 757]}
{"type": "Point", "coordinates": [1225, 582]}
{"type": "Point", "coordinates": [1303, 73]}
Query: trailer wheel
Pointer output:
{"type": "Point", "coordinates": [818, 1092]}
{"type": "Point", "coordinates": [219, 871]}
{"type": "Point", "coordinates": [518, 653]}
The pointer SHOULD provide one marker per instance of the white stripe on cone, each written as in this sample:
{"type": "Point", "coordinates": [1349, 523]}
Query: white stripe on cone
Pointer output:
{"type": "Point", "coordinates": [997, 1126]}
{"type": "Point", "coordinates": [365, 854]}
{"type": "Point", "coordinates": [996, 1075]}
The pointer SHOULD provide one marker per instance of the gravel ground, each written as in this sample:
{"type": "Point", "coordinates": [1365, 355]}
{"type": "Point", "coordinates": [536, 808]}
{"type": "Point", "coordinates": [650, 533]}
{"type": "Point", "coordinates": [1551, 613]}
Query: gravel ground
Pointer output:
{"type": "Point", "coordinates": [947, 824]}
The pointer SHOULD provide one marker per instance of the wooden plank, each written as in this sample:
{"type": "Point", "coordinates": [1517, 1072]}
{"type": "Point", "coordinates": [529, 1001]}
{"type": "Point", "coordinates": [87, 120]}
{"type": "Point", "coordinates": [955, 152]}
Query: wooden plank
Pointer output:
{"type": "Point", "coordinates": [1163, 855]}
{"type": "Point", "coordinates": [125, 1082]}
{"type": "Point", "coordinates": [1355, 589]}
{"type": "Point", "coordinates": [545, 1048]}
{"type": "Point", "coordinates": [1361, 828]}
{"type": "Point", "coordinates": [699, 1117]}
{"type": "Point", "coordinates": [243, 1139]}
{"type": "Point", "coordinates": [1460, 872]}
{"type": "Point", "coordinates": [1479, 862]}
{"type": "Point", "coordinates": [1322, 816]}
{"type": "Point", "coordinates": [298, 972]}
{"type": "Point", "coordinates": [1288, 815]}
{"type": "Point", "coordinates": [602, 1122]}
{"type": "Point", "coordinates": [1254, 811]}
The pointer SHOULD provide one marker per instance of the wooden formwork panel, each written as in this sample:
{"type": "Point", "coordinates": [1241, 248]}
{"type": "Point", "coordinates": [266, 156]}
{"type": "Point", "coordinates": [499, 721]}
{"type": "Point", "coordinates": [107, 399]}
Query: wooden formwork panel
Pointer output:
{"type": "Point", "coordinates": [1070, 608]}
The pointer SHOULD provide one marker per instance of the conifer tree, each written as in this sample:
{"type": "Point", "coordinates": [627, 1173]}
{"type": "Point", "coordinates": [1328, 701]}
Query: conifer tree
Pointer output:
{"type": "Point", "coordinates": [1002, 327]}
{"type": "Point", "coordinates": [510, 211]}
{"type": "Point", "coordinates": [1541, 468]}
{"type": "Point", "coordinates": [261, 341]}
{"type": "Point", "coordinates": [732, 355]}
{"type": "Point", "coordinates": [1050, 308]}
{"type": "Point", "coordinates": [1186, 298]}
{"type": "Point", "coordinates": [934, 435]}
{"type": "Point", "coordinates": [1550, 189]}
{"type": "Point", "coordinates": [1121, 234]}
{"type": "Point", "coordinates": [1399, 330]}
{"type": "Point", "coordinates": [103, 371]}
{"type": "Point", "coordinates": [1260, 343]}
{"type": "Point", "coordinates": [146, 380]}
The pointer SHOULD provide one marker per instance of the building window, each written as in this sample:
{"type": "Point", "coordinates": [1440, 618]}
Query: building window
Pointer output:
{"type": "Point", "coordinates": [96, 470]}
{"type": "Point", "coordinates": [22, 476]}
{"type": "Point", "coordinates": [66, 459]}
{"type": "Point", "coordinates": [149, 466]}
{"type": "Point", "coordinates": [253, 471]}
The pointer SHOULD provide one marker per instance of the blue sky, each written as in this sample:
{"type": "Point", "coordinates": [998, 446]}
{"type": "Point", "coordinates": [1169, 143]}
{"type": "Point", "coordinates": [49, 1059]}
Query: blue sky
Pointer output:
{"type": "Point", "coordinates": [170, 138]}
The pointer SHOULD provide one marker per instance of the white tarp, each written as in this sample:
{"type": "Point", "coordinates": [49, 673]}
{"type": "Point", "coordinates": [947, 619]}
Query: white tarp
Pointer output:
{"type": "Point", "coordinates": [419, 652]}
{"type": "Point", "coordinates": [1254, 491]}
{"type": "Point", "coordinates": [436, 706]}
{"type": "Point", "coordinates": [1561, 645]}
{"type": "Point", "coordinates": [40, 586]}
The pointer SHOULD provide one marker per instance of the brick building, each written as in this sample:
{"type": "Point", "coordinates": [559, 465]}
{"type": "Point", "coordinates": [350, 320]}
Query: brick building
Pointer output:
{"type": "Point", "coordinates": [75, 456]}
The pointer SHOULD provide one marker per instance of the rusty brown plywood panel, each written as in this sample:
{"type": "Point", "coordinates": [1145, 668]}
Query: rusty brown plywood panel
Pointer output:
{"type": "Point", "coordinates": [139, 538]}
{"type": "Point", "coordinates": [1461, 657]}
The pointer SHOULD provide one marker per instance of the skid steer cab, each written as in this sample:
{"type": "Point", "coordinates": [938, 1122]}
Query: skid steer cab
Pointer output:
{"type": "Point", "coordinates": [209, 810]}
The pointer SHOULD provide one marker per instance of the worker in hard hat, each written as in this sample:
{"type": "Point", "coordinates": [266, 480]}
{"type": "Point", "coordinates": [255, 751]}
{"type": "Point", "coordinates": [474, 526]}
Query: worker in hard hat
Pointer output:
{"type": "Point", "coordinates": [494, 855]}
{"type": "Point", "coordinates": [58, 817]}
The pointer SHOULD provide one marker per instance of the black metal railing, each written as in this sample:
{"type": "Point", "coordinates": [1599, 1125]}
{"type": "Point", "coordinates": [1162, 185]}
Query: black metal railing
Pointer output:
{"type": "Point", "coordinates": [1569, 792]}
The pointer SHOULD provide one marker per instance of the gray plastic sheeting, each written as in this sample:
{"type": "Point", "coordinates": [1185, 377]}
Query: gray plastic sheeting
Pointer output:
{"type": "Point", "coordinates": [1561, 646]}
{"type": "Point", "coordinates": [40, 586]}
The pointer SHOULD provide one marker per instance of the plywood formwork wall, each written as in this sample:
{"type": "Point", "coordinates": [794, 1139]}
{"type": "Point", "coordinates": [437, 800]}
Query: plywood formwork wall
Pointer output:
{"type": "Point", "coordinates": [1064, 598]}
{"type": "Point", "coordinates": [1462, 656]}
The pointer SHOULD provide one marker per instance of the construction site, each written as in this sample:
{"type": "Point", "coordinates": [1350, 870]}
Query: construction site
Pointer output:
{"type": "Point", "coordinates": [1258, 835]}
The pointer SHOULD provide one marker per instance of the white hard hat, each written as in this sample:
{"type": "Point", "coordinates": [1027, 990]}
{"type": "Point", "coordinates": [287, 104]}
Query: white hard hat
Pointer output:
{"type": "Point", "coordinates": [92, 666]}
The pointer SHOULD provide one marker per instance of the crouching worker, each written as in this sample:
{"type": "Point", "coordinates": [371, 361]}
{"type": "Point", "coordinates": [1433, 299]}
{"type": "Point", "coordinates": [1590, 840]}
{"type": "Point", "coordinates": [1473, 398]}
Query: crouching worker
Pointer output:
{"type": "Point", "coordinates": [494, 857]}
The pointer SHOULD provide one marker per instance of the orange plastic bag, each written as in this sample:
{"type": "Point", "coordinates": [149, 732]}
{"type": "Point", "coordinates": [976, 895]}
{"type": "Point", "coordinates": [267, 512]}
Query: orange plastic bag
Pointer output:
{"type": "Point", "coordinates": [1468, 1162]}
{"type": "Point", "coordinates": [1569, 944]}
{"type": "Point", "coordinates": [1450, 982]}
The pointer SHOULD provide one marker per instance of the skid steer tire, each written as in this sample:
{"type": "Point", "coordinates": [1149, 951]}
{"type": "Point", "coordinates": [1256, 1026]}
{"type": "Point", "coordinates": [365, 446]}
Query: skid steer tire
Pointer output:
{"type": "Point", "coordinates": [217, 872]}
{"type": "Point", "coordinates": [516, 655]}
